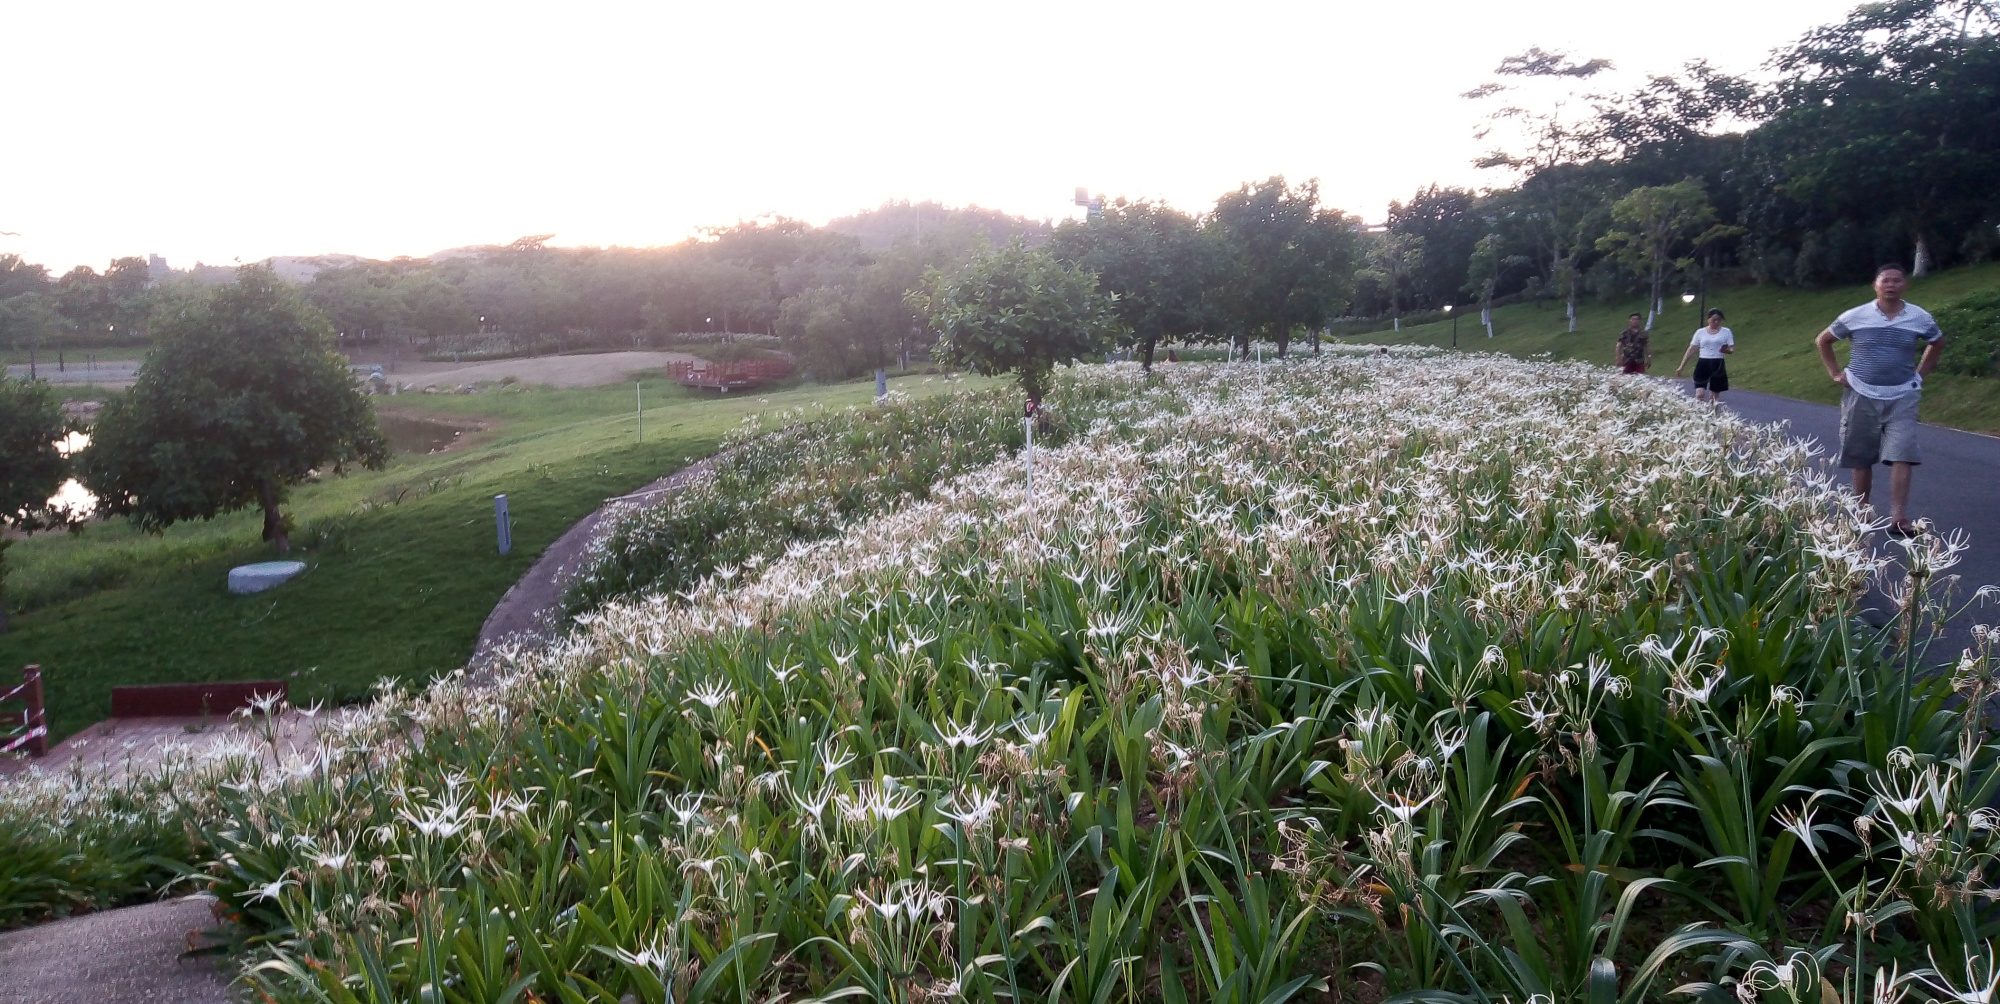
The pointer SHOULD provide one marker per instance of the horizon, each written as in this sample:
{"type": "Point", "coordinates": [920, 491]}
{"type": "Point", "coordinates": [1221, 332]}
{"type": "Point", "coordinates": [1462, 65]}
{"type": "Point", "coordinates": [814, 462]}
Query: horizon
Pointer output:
{"type": "Point", "coordinates": [392, 132]}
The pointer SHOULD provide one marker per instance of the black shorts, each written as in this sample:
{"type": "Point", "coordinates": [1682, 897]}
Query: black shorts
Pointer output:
{"type": "Point", "coordinates": [1711, 375]}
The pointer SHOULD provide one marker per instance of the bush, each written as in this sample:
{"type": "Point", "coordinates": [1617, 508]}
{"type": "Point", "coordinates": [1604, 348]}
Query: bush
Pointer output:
{"type": "Point", "coordinates": [1972, 335]}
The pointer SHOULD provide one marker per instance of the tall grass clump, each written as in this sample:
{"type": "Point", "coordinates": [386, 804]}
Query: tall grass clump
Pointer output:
{"type": "Point", "coordinates": [1414, 677]}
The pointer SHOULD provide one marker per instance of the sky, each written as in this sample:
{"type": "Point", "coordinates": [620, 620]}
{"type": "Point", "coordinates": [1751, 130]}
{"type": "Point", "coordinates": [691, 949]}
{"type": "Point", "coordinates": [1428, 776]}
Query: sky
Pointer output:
{"type": "Point", "coordinates": [221, 132]}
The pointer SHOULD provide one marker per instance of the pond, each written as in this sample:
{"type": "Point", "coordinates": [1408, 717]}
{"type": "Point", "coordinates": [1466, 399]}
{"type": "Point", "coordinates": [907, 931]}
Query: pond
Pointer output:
{"type": "Point", "coordinates": [73, 496]}
{"type": "Point", "coordinates": [406, 434]}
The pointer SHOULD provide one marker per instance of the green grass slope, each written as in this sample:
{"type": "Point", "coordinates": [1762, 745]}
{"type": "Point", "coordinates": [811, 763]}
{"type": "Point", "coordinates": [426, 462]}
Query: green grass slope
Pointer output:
{"type": "Point", "coordinates": [1774, 329]}
{"type": "Point", "coordinates": [402, 567]}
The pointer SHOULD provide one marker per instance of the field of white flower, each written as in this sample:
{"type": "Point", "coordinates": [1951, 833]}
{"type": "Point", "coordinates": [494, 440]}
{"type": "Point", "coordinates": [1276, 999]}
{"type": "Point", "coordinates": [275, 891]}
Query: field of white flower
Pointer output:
{"type": "Point", "coordinates": [1447, 678]}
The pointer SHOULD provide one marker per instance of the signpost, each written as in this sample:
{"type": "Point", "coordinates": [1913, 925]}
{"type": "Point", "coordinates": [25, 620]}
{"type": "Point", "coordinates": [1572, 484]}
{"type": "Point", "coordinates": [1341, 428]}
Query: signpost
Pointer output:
{"type": "Point", "coordinates": [503, 523]}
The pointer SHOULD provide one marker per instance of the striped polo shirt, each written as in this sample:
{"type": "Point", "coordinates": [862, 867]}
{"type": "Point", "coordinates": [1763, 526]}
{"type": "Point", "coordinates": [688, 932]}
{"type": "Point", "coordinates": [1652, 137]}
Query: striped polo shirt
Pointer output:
{"type": "Point", "coordinates": [1885, 348]}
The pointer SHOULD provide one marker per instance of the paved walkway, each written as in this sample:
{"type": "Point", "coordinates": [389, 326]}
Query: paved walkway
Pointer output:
{"type": "Point", "coordinates": [131, 955]}
{"type": "Point", "coordinates": [531, 608]}
{"type": "Point", "coordinates": [1957, 487]}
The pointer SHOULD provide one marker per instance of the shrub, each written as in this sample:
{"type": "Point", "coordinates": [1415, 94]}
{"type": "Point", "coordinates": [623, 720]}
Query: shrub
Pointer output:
{"type": "Point", "coordinates": [1972, 335]}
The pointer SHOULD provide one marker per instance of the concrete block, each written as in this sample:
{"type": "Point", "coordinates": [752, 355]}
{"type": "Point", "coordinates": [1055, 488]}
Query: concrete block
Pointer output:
{"type": "Point", "coordinates": [262, 575]}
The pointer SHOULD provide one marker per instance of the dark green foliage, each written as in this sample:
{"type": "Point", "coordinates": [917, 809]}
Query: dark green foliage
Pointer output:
{"type": "Point", "coordinates": [1156, 260]}
{"type": "Point", "coordinates": [31, 467]}
{"type": "Point", "coordinates": [1017, 310]}
{"type": "Point", "coordinates": [1972, 335]}
{"type": "Point", "coordinates": [242, 397]}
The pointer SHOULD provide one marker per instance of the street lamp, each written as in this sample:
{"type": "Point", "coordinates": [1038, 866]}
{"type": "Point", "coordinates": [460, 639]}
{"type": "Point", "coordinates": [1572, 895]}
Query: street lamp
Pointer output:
{"type": "Point", "coordinates": [1454, 325]}
{"type": "Point", "coordinates": [1687, 297]}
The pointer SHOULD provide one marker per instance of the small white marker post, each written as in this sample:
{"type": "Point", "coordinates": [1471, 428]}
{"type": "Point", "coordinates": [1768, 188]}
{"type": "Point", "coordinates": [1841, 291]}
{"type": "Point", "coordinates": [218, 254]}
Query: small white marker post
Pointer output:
{"type": "Point", "coordinates": [503, 524]}
{"type": "Point", "coordinates": [1028, 458]}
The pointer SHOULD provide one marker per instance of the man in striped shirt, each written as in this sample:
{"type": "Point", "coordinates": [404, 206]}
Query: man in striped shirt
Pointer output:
{"type": "Point", "coordinates": [1883, 380]}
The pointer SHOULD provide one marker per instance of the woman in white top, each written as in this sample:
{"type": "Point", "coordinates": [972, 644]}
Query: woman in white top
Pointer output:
{"type": "Point", "coordinates": [1711, 374]}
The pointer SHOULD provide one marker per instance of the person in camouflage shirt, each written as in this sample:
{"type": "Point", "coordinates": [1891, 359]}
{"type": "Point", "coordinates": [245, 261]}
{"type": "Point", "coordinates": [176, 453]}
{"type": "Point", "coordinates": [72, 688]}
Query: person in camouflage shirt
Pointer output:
{"type": "Point", "coordinates": [1634, 352]}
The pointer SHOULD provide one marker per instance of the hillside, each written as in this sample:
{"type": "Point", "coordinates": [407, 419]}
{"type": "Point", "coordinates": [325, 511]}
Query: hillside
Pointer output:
{"type": "Point", "coordinates": [1774, 329]}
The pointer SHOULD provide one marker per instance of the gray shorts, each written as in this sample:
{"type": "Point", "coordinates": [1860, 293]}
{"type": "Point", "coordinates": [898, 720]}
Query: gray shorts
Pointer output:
{"type": "Point", "coordinates": [1877, 432]}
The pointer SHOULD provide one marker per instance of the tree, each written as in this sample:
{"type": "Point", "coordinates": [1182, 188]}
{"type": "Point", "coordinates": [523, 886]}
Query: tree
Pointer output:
{"type": "Point", "coordinates": [241, 397]}
{"type": "Point", "coordinates": [1393, 260]}
{"type": "Point", "coordinates": [1488, 265]}
{"type": "Point", "coordinates": [1552, 143]}
{"type": "Point", "coordinates": [32, 468]}
{"type": "Point", "coordinates": [1289, 262]}
{"type": "Point", "coordinates": [1153, 258]}
{"type": "Point", "coordinates": [1017, 310]}
{"type": "Point", "coordinates": [1892, 115]}
{"type": "Point", "coordinates": [1448, 222]}
{"type": "Point", "coordinates": [1655, 222]}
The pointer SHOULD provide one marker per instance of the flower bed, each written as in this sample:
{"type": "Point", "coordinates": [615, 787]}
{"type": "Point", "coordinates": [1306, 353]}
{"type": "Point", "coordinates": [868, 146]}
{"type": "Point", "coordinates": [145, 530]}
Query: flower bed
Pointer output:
{"type": "Point", "coordinates": [1457, 677]}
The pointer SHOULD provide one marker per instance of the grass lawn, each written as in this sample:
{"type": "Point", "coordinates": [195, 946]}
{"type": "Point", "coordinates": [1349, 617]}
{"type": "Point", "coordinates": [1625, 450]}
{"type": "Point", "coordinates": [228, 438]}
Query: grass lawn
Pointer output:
{"type": "Point", "coordinates": [402, 568]}
{"type": "Point", "coordinates": [1774, 329]}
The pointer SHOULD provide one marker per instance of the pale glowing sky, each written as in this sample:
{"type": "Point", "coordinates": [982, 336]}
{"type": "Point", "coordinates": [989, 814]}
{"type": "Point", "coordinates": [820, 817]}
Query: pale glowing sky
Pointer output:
{"type": "Point", "coordinates": [217, 131]}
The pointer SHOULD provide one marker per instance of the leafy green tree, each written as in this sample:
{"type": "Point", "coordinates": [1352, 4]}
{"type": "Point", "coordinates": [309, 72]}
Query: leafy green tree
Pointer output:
{"type": "Point", "coordinates": [1892, 115]}
{"type": "Point", "coordinates": [1154, 259]}
{"type": "Point", "coordinates": [1449, 223]}
{"type": "Point", "coordinates": [1394, 259]}
{"type": "Point", "coordinates": [1289, 263]}
{"type": "Point", "coordinates": [18, 276]}
{"type": "Point", "coordinates": [1014, 309]}
{"type": "Point", "coordinates": [241, 397]}
{"type": "Point", "coordinates": [31, 467]}
{"type": "Point", "coordinates": [1557, 200]}
{"type": "Point", "coordinates": [1485, 270]}
{"type": "Point", "coordinates": [1655, 223]}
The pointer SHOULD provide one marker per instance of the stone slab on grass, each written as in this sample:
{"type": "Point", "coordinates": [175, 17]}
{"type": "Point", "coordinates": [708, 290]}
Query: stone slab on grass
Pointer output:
{"type": "Point", "coordinates": [244, 579]}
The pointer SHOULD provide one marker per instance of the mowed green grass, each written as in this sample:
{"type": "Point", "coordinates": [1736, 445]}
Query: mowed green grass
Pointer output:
{"type": "Point", "coordinates": [1774, 329]}
{"type": "Point", "coordinates": [402, 566]}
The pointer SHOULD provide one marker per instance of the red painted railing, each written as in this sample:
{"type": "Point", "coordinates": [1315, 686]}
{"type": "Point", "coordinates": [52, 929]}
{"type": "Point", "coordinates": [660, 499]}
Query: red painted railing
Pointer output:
{"type": "Point", "coordinates": [31, 736]}
{"type": "Point", "coordinates": [726, 376]}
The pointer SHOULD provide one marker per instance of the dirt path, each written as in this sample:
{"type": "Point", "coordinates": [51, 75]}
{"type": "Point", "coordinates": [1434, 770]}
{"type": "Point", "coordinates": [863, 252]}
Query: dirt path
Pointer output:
{"type": "Point", "coordinates": [132, 954]}
{"type": "Point", "coordinates": [530, 610]}
{"type": "Point", "coordinates": [592, 370]}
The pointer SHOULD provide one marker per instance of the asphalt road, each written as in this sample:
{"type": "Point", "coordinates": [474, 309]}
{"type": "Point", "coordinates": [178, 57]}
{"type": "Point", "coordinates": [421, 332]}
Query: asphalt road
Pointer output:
{"type": "Point", "coordinates": [1956, 487]}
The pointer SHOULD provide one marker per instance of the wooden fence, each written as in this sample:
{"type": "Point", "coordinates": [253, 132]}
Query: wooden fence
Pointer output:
{"type": "Point", "coordinates": [25, 730]}
{"type": "Point", "coordinates": [726, 377]}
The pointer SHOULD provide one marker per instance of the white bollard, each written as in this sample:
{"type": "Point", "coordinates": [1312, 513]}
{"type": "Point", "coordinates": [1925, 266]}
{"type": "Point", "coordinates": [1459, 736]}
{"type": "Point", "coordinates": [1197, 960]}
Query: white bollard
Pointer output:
{"type": "Point", "coordinates": [503, 523]}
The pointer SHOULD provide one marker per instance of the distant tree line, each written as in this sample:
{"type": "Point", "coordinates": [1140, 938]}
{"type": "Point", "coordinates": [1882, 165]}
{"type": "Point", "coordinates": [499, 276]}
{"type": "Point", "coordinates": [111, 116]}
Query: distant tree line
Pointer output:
{"type": "Point", "coordinates": [1878, 139]}
{"type": "Point", "coordinates": [1875, 139]}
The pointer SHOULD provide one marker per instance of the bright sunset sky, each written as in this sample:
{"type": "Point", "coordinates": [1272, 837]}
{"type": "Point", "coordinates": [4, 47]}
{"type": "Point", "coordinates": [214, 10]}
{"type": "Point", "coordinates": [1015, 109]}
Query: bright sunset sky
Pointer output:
{"type": "Point", "coordinates": [219, 131]}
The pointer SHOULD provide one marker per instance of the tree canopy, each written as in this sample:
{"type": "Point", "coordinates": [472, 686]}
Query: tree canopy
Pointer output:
{"type": "Point", "coordinates": [1016, 309]}
{"type": "Point", "coordinates": [241, 397]}
{"type": "Point", "coordinates": [32, 467]}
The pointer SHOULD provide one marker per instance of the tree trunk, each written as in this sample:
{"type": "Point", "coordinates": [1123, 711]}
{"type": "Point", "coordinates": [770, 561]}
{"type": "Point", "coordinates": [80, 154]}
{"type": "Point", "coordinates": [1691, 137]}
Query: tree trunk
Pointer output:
{"type": "Point", "coordinates": [1315, 342]}
{"type": "Point", "coordinates": [274, 521]}
{"type": "Point", "coordinates": [1922, 265]}
{"type": "Point", "coordinates": [1146, 354]}
{"type": "Point", "coordinates": [3, 584]}
{"type": "Point", "coordinates": [1284, 339]}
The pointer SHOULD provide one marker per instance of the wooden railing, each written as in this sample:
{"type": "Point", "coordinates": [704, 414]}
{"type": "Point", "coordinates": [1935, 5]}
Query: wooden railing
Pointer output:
{"type": "Point", "coordinates": [26, 730]}
{"type": "Point", "coordinates": [726, 376]}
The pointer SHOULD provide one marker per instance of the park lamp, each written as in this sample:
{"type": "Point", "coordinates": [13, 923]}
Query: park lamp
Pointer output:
{"type": "Point", "coordinates": [1447, 310]}
{"type": "Point", "coordinates": [1687, 298]}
